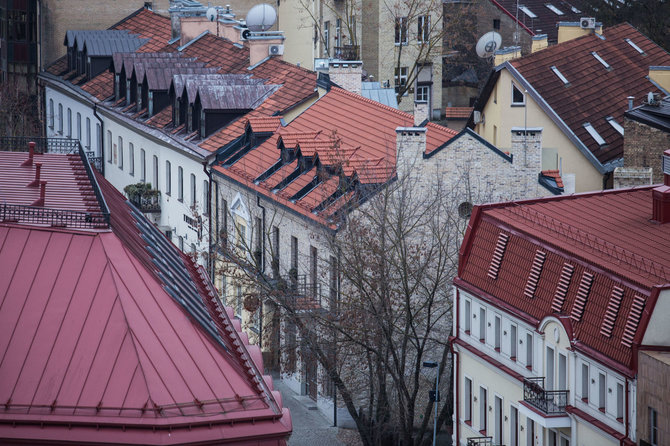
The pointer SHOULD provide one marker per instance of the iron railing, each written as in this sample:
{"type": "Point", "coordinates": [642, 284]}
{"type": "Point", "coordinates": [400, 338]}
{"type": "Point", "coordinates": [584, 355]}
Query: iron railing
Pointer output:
{"type": "Point", "coordinates": [42, 144]}
{"type": "Point", "coordinates": [548, 401]}
{"type": "Point", "coordinates": [347, 52]}
{"type": "Point", "coordinates": [307, 292]}
{"type": "Point", "coordinates": [147, 203]}
{"type": "Point", "coordinates": [10, 213]}
{"type": "Point", "coordinates": [480, 441]}
{"type": "Point", "coordinates": [96, 161]}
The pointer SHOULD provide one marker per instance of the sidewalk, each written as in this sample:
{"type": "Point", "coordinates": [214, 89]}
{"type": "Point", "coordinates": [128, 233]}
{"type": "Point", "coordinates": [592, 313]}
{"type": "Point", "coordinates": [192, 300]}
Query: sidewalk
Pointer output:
{"type": "Point", "coordinates": [310, 428]}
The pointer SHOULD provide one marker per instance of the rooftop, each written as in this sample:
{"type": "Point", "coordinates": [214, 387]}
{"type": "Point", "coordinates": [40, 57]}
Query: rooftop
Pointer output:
{"type": "Point", "coordinates": [126, 340]}
{"type": "Point", "coordinates": [540, 16]}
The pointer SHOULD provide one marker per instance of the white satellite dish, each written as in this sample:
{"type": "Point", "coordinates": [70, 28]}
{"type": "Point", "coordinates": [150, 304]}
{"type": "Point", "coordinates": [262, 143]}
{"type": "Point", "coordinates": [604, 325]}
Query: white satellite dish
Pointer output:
{"type": "Point", "coordinates": [261, 17]}
{"type": "Point", "coordinates": [488, 44]}
{"type": "Point", "coordinates": [212, 14]}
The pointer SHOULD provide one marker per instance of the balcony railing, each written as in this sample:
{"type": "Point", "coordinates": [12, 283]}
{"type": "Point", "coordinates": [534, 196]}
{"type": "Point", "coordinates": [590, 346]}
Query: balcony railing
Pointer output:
{"type": "Point", "coordinates": [480, 441]}
{"type": "Point", "coordinates": [347, 52]}
{"type": "Point", "coordinates": [42, 145]}
{"type": "Point", "coordinates": [147, 203]}
{"type": "Point", "coordinates": [548, 401]}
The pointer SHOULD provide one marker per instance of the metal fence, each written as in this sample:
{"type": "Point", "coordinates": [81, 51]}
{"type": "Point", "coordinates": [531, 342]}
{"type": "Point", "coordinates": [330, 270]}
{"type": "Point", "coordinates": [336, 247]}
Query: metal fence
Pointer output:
{"type": "Point", "coordinates": [548, 401]}
{"type": "Point", "coordinates": [42, 144]}
{"type": "Point", "coordinates": [52, 217]}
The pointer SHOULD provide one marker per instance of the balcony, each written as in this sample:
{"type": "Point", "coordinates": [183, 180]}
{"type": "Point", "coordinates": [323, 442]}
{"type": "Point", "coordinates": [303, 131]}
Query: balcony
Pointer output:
{"type": "Point", "coordinates": [549, 402]}
{"type": "Point", "coordinates": [347, 52]}
{"type": "Point", "coordinates": [307, 295]}
{"type": "Point", "coordinates": [480, 441]}
{"type": "Point", "coordinates": [149, 203]}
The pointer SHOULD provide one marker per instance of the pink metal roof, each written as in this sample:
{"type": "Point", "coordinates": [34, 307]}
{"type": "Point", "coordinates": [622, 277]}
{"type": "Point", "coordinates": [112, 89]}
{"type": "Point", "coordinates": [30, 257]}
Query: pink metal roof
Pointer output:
{"type": "Point", "coordinates": [91, 339]}
{"type": "Point", "coordinates": [585, 232]}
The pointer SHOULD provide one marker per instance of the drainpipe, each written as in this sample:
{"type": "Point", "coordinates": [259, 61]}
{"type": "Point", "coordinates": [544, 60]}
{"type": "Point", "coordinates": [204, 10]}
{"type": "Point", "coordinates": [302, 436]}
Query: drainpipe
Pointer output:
{"type": "Point", "coordinates": [625, 419]}
{"type": "Point", "coordinates": [260, 315]}
{"type": "Point", "coordinates": [208, 209]}
{"type": "Point", "coordinates": [456, 359]}
{"type": "Point", "coordinates": [102, 138]}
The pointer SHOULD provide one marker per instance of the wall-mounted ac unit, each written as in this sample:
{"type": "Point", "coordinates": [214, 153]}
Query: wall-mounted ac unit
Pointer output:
{"type": "Point", "coordinates": [587, 23]}
{"type": "Point", "coordinates": [276, 50]}
{"type": "Point", "coordinates": [478, 117]}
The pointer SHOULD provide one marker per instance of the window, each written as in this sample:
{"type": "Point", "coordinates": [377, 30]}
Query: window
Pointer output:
{"type": "Point", "coordinates": [193, 191]}
{"type": "Point", "coordinates": [482, 324]}
{"type": "Point", "coordinates": [205, 197]}
{"type": "Point", "coordinates": [585, 383]}
{"type": "Point", "coordinates": [110, 155]}
{"type": "Point", "coordinates": [467, 399]}
{"type": "Point", "coordinates": [98, 137]}
{"type": "Point", "coordinates": [313, 269]}
{"type": "Point", "coordinates": [338, 32]}
{"type": "Point", "coordinates": [334, 275]}
{"type": "Point", "coordinates": [423, 28]}
{"type": "Point", "coordinates": [601, 392]}
{"type": "Point", "coordinates": [619, 401]}
{"type": "Point", "coordinates": [400, 79]}
{"type": "Point", "coordinates": [155, 172]}
{"type": "Point", "coordinates": [181, 243]}
{"type": "Point", "coordinates": [497, 330]}
{"type": "Point", "coordinates": [168, 178]}
{"type": "Point", "coordinates": [401, 31]}
{"type": "Point", "coordinates": [275, 251]}
{"type": "Point", "coordinates": [241, 234]}
{"type": "Point", "coordinates": [120, 153]}
{"type": "Point", "coordinates": [549, 370]}
{"type": "Point", "coordinates": [497, 420]}
{"type": "Point", "coordinates": [496, 24]}
{"type": "Point", "coordinates": [69, 122]}
{"type": "Point", "coordinates": [60, 118]}
{"type": "Point", "coordinates": [258, 241]}
{"type": "Point", "coordinates": [238, 300]}
{"type": "Point", "coordinates": [512, 342]}
{"type": "Point", "coordinates": [131, 159]}
{"type": "Point", "coordinates": [180, 183]}
{"type": "Point", "coordinates": [293, 273]}
{"type": "Point", "coordinates": [51, 113]}
{"type": "Point", "coordinates": [468, 317]}
{"type": "Point", "coordinates": [513, 426]}
{"type": "Point", "coordinates": [79, 126]}
{"type": "Point", "coordinates": [88, 133]}
{"type": "Point", "coordinates": [562, 371]}
{"type": "Point", "coordinates": [326, 38]}
{"type": "Point", "coordinates": [224, 223]}
{"type": "Point", "coordinates": [482, 410]}
{"type": "Point", "coordinates": [518, 98]}
{"type": "Point", "coordinates": [143, 165]}
{"type": "Point", "coordinates": [422, 93]}
{"type": "Point", "coordinates": [530, 431]}
{"type": "Point", "coordinates": [653, 427]}
{"type": "Point", "coordinates": [529, 351]}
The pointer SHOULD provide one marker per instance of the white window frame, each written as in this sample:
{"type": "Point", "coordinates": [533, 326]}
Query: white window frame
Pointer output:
{"type": "Point", "coordinates": [422, 93]}
{"type": "Point", "coordinates": [120, 152]}
{"type": "Point", "coordinates": [168, 177]}
{"type": "Point", "coordinates": [523, 95]}
{"type": "Point", "coordinates": [400, 79]}
{"type": "Point", "coordinates": [423, 28]}
{"type": "Point", "coordinates": [400, 31]}
{"type": "Point", "coordinates": [131, 159]}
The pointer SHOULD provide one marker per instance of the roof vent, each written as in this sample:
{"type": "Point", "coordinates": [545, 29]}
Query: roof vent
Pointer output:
{"type": "Point", "coordinates": [498, 254]}
{"type": "Point", "coordinates": [534, 275]}
{"type": "Point", "coordinates": [582, 296]}
{"type": "Point", "coordinates": [612, 312]}
{"type": "Point", "coordinates": [562, 287]}
{"type": "Point", "coordinates": [661, 194]}
{"type": "Point", "coordinates": [634, 316]}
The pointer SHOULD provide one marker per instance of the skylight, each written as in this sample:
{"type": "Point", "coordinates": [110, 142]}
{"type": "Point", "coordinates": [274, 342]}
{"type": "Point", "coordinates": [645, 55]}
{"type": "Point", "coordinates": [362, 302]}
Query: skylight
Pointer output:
{"type": "Point", "coordinates": [575, 10]}
{"type": "Point", "coordinates": [560, 75]}
{"type": "Point", "coordinates": [601, 60]}
{"type": "Point", "coordinates": [554, 9]}
{"type": "Point", "coordinates": [594, 134]}
{"type": "Point", "coordinates": [637, 48]}
{"type": "Point", "coordinates": [615, 124]}
{"type": "Point", "coordinates": [528, 12]}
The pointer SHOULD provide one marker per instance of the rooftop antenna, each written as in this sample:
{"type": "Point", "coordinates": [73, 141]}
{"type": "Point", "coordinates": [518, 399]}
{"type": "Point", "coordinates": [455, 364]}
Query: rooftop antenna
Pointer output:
{"type": "Point", "coordinates": [488, 44]}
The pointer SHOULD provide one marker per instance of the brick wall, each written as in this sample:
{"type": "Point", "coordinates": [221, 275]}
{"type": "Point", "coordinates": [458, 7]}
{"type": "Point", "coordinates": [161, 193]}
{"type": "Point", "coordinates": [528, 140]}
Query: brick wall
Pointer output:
{"type": "Point", "coordinates": [653, 391]}
{"type": "Point", "coordinates": [632, 176]}
{"type": "Point", "coordinates": [643, 146]}
{"type": "Point", "coordinates": [347, 75]}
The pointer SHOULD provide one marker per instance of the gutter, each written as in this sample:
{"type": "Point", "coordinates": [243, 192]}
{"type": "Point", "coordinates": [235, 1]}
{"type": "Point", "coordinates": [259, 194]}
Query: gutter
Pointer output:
{"type": "Point", "coordinates": [262, 260]}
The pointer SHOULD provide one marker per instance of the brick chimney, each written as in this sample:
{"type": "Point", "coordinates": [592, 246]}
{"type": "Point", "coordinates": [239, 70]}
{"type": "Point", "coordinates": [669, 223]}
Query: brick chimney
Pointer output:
{"type": "Point", "coordinates": [260, 45]}
{"type": "Point", "coordinates": [539, 42]}
{"type": "Point", "coordinates": [505, 54]}
{"type": "Point", "coordinates": [347, 74]}
{"type": "Point", "coordinates": [410, 147]}
{"type": "Point", "coordinates": [421, 112]}
{"type": "Point", "coordinates": [661, 194]}
{"type": "Point", "coordinates": [527, 148]}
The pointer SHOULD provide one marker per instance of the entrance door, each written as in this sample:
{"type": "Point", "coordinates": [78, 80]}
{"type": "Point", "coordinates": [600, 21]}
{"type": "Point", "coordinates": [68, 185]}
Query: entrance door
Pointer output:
{"type": "Point", "coordinates": [309, 361]}
{"type": "Point", "coordinates": [497, 433]}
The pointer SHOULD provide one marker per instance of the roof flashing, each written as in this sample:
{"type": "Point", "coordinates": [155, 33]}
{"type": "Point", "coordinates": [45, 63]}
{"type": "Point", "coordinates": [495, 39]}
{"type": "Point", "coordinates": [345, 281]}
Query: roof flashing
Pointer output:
{"type": "Point", "coordinates": [615, 124]}
{"type": "Point", "coordinates": [601, 60]}
{"type": "Point", "coordinates": [594, 134]}
{"type": "Point", "coordinates": [560, 75]}
{"type": "Point", "coordinates": [637, 48]}
{"type": "Point", "coordinates": [554, 9]}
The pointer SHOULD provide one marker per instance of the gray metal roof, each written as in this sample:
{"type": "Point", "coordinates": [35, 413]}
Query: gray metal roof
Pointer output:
{"type": "Point", "coordinates": [374, 91]}
{"type": "Point", "coordinates": [104, 46]}
{"type": "Point", "coordinates": [127, 60]}
{"type": "Point", "coordinates": [159, 76]}
{"type": "Point", "coordinates": [73, 36]}
{"type": "Point", "coordinates": [234, 97]}
{"type": "Point", "coordinates": [192, 81]}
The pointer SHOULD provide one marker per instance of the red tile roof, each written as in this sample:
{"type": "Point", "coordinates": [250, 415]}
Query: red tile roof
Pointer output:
{"type": "Point", "coordinates": [555, 174]}
{"type": "Point", "coordinates": [94, 336]}
{"type": "Point", "coordinates": [594, 92]}
{"type": "Point", "coordinates": [458, 112]}
{"type": "Point", "coordinates": [148, 25]}
{"type": "Point", "coordinates": [585, 232]}
{"type": "Point", "coordinates": [546, 20]}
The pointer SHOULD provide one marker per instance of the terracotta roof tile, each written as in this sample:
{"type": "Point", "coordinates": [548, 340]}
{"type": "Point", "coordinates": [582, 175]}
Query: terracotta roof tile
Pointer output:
{"type": "Point", "coordinates": [101, 86]}
{"type": "Point", "coordinates": [265, 124]}
{"type": "Point", "coordinates": [59, 67]}
{"type": "Point", "coordinates": [162, 118]}
{"type": "Point", "coordinates": [555, 174]}
{"type": "Point", "coordinates": [148, 25]}
{"type": "Point", "coordinates": [546, 20]}
{"type": "Point", "coordinates": [594, 92]}
{"type": "Point", "coordinates": [458, 112]}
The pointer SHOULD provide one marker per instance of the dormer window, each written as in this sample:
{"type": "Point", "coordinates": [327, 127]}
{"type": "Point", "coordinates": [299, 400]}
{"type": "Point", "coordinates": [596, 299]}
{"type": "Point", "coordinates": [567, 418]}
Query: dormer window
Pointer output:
{"type": "Point", "coordinates": [518, 97]}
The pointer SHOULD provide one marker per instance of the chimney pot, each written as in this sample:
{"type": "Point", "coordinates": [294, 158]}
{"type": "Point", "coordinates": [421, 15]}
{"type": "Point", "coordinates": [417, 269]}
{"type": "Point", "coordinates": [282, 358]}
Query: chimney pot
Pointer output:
{"type": "Point", "coordinates": [36, 181]}
{"type": "Point", "coordinates": [31, 153]}
{"type": "Point", "coordinates": [630, 102]}
{"type": "Point", "coordinates": [40, 201]}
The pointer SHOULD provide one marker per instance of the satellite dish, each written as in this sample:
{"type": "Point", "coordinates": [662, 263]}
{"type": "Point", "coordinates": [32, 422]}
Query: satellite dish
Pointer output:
{"type": "Point", "coordinates": [212, 14]}
{"type": "Point", "coordinates": [488, 44]}
{"type": "Point", "coordinates": [261, 17]}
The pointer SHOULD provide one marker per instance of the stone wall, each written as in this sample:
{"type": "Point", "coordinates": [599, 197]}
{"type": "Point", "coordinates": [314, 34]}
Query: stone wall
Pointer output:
{"type": "Point", "coordinates": [632, 176]}
{"type": "Point", "coordinates": [643, 146]}
{"type": "Point", "coordinates": [653, 391]}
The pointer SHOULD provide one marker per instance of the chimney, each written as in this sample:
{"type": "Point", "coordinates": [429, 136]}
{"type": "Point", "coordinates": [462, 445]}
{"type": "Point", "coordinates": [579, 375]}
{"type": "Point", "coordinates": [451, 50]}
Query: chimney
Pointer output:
{"type": "Point", "coordinates": [347, 74]}
{"type": "Point", "coordinates": [192, 27]}
{"type": "Point", "coordinates": [410, 147]}
{"type": "Point", "coordinates": [527, 148]}
{"type": "Point", "coordinates": [31, 153]}
{"type": "Point", "coordinates": [36, 181]}
{"type": "Point", "coordinates": [572, 30]}
{"type": "Point", "coordinates": [538, 43]}
{"type": "Point", "coordinates": [630, 102]}
{"type": "Point", "coordinates": [262, 44]}
{"type": "Point", "coordinates": [420, 112]}
{"type": "Point", "coordinates": [505, 54]}
{"type": "Point", "coordinates": [661, 194]}
{"type": "Point", "coordinates": [40, 201]}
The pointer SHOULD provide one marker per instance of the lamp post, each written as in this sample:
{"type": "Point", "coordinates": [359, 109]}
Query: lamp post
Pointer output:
{"type": "Point", "coordinates": [436, 396]}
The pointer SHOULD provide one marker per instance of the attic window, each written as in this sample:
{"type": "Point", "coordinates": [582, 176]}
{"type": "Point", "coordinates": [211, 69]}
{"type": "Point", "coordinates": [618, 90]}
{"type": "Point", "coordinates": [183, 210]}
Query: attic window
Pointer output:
{"type": "Point", "coordinates": [518, 98]}
{"type": "Point", "coordinates": [594, 134]}
{"type": "Point", "coordinates": [633, 319]}
{"type": "Point", "coordinates": [528, 12]}
{"type": "Point", "coordinates": [554, 9]}
{"type": "Point", "coordinates": [560, 75]}
{"type": "Point", "coordinates": [615, 124]}
{"type": "Point", "coordinates": [562, 287]}
{"type": "Point", "coordinates": [601, 60]}
{"type": "Point", "coordinates": [534, 275]}
{"type": "Point", "coordinates": [582, 295]}
{"type": "Point", "coordinates": [612, 312]}
{"type": "Point", "coordinates": [498, 254]}
{"type": "Point", "coordinates": [637, 48]}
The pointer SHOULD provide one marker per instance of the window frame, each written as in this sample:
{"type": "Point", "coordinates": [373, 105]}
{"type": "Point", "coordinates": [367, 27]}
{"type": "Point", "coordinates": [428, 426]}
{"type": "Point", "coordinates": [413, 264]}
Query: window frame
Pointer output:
{"type": "Point", "coordinates": [180, 183]}
{"type": "Point", "coordinates": [400, 77]}
{"type": "Point", "coordinates": [51, 114]}
{"type": "Point", "coordinates": [515, 103]}
{"type": "Point", "coordinates": [423, 28]}
{"type": "Point", "coordinates": [401, 31]}
{"type": "Point", "coordinates": [131, 159]}
{"type": "Point", "coordinates": [120, 151]}
{"type": "Point", "coordinates": [168, 178]}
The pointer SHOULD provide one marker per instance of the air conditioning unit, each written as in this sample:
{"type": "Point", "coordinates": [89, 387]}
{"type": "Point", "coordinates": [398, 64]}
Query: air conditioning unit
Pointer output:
{"type": "Point", "coordinates": [276, 50]}
{"type": "Point", "coordinates": [587, 23]}
{"type": "Point", "coordinates": [478, 117]}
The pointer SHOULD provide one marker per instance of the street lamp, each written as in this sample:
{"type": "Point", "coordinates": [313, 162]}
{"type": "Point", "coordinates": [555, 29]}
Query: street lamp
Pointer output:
{"type": "Point", "coordinates": [435, 397]}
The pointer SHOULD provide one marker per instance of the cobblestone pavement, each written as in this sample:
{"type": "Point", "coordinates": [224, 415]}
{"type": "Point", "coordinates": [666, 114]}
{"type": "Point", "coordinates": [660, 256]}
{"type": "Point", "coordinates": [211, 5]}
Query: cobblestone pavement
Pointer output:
{"type": "Point", "coordinates": [310, 427]}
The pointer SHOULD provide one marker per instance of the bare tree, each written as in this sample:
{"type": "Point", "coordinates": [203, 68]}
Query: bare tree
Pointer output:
{"type": "Point", "coordinates": [18, 111]}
